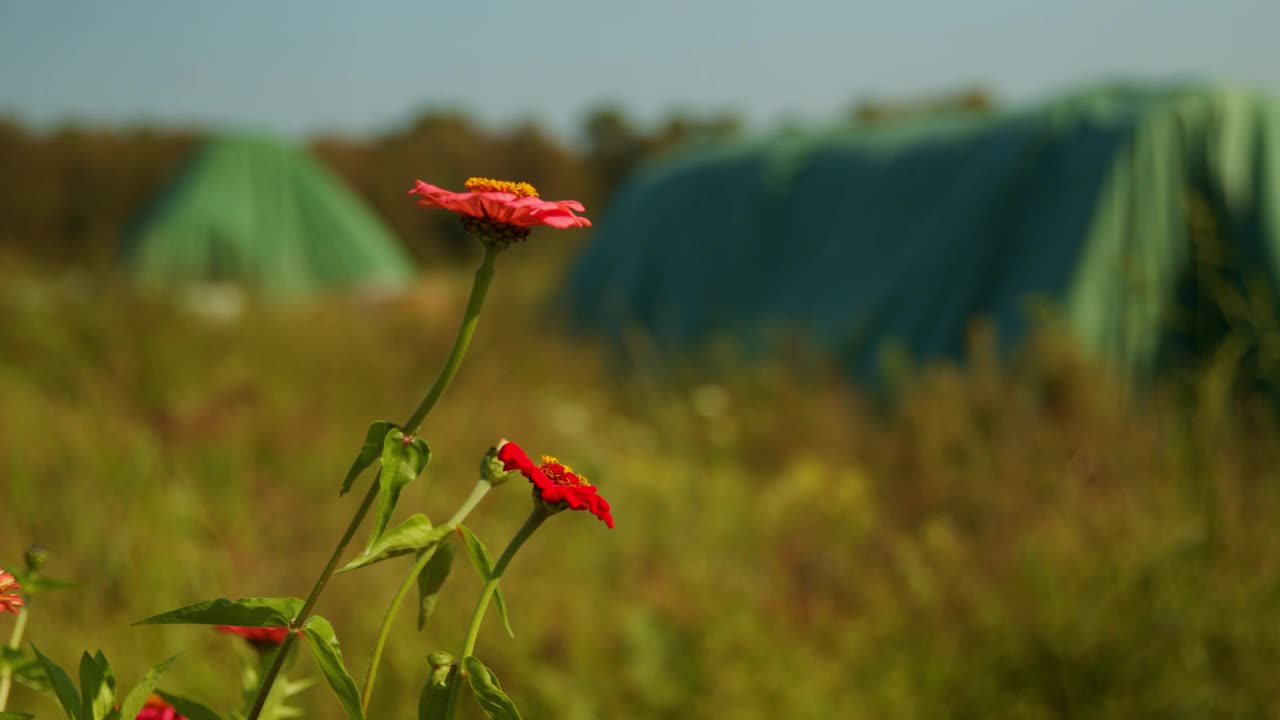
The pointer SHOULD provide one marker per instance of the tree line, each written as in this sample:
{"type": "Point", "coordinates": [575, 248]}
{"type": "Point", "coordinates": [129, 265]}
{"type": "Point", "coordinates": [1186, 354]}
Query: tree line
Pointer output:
{"type": "Point", "coordinates": [68, 195]}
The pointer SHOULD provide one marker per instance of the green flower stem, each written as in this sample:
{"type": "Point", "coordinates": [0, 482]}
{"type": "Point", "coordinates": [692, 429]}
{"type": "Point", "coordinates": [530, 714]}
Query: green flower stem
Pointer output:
{"type": "Point", "coordinates": [479, 492]}
{"type": "Point", "coordinates": [535, 519]}
{"type": "Point", "coordinates": [470, 318]}
{"type": "Point", "coordinates": [15, 641]}
{"type": "Point", "coordinates": [531, 523]}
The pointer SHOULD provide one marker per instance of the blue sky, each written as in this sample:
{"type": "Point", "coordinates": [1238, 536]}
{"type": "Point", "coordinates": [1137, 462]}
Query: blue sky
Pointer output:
{"type": "Point", "coordinates": [302, 67]}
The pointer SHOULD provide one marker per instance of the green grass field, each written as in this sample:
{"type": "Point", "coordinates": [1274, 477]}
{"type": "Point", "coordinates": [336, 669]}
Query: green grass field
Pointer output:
{"type": "Point", "coordinates": [1027, 538]}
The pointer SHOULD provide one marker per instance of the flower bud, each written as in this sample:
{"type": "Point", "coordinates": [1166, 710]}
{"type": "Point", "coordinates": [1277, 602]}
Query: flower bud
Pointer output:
{"type": "Point", "coordinates": [436, 692]}
{"type": "Point", "coordinates": [36, 557]}
{"type": "Point", "coordinates": [442, 664]}
{"type": "Point", "coordinates": [492, 470]}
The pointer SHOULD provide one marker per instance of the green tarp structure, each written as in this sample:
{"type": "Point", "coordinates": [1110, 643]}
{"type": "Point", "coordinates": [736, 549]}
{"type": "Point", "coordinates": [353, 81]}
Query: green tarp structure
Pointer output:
{"type": "Point", "coordinates": [868, 236]}
{"type": "Point", "coordinates": [261, 213]}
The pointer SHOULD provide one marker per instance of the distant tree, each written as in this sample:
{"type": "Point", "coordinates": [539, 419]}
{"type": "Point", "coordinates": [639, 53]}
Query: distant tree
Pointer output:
{"type": "Point", "coordinates": [969, 100]}
{"type": "Point", "coordinates": [67, 196]}
{"type": "Point", "coordinates": [682, 129]}
{"type": "Point", "coordinates": [614, 146]}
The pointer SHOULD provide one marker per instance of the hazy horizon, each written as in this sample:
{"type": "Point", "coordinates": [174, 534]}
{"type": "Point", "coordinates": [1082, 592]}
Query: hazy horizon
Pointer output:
{"type": "Point", "coordinates": [335, 69]}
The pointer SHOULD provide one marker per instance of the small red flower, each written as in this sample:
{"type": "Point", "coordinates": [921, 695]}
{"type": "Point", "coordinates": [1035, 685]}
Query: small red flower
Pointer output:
{"type": "Point", "coordinates": [257, 635]}
{"type": "Point", "coordinates": [500, 210]}
{"type": "Point", "coordinates": [557, 484]}
{"type": "Point", "coordinates": [157, 709]}
{"type": "Point", "coordinates": [9, 598]}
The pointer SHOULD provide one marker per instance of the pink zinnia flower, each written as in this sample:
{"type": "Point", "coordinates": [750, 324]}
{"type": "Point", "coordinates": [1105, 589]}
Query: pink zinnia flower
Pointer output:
{"type": "Point", "coordinates": [257, 635]}
{"type": "Point", "coordinates": [501, 211]}
{"type": "Point", "coordinates": [9, 598]}
{"type": "Point", "coordinates": [157, 709]}
{"type": "Point", "coordinates": [555, 483]}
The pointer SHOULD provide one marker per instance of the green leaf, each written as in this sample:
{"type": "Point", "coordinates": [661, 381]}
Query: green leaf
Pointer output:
{"type": "Point", "coordinates": [28, 671]}
{"type": "Point", "coordinates": [91, 686]}
{"type": "Point", "coordinates": [401, 463]}
{"type": "Point", "coordinates": [434, 699]}
{"type": "Point", "coordinates": [16, 716]}
{"type": "Point", "coordinates": [248, 612]}
{"type": "Point", "coordinates": [105, 667]}
{"type": "Point", "coordinates": [431, 580]}
{"type": "Point", "coordinates": [501, 601]}
{"type": "Point", "coordinates": [278, 707]}
{"type": "Point", "coordinates": [479, 555]}
{"type": "Point", "coordinates": [325, 650]}
{"type": "Point", "coordinates": [105, 707]}
{"type": "Point", "coordinates": [188, 708]}
{"type": "Point", "coordinates": [65, 690]}
{"type": "Point", "coordinates": [253, 666]}
{"type": "Point", "coordinates": [33, 583]}
{"type": "Point", "coordinates": [495, 703]}
{"type": "Point", "coordinates": [43, 583]}
{"type": "Point", "coordinates": [14, 658]}
{"type": "Point", "coordinates": [368, 452]}
{"type": "Point", "coordinates": [137, 697]}
{"type": "Point", "coordinates": [97, 687]}
{"type": "Point", "coordinates": [415, 533]}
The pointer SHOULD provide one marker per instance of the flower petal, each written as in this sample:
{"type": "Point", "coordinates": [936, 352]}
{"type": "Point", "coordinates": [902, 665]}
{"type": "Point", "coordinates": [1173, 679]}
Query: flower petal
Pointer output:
{"type": "Point", "coordinates": [563, 222]}
{"type": "Point", "coordinates": [513, 458]}
{"type": "Point", "coordinates": [503, 207]}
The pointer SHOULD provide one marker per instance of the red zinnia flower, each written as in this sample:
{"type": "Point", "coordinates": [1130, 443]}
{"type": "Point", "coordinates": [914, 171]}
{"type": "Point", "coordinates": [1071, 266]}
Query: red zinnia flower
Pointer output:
{"type": "Point", "coordinates": [500, 210]}
{"type": "Point", "coordinates": [9, 598]}
{"type": "Point", "coordinates": [257, 635]}
{"type": "Point", "coordinates": [157, 709]}
{"type": "Point", "coordinates": [557, 484]}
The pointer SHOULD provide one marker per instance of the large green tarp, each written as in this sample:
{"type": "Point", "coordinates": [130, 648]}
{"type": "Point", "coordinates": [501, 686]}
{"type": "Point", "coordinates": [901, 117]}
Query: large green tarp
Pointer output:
{"type": "Point", "coordinates": [255, 211]}
{"type": "Point", "coordinates": [863, 237]}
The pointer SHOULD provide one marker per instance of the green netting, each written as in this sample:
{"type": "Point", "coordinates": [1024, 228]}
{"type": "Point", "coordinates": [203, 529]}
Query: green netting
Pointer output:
{"type": "Point", "coordinates": [905, 234]}
{"type": "Point", "coordinates": [261, 213]}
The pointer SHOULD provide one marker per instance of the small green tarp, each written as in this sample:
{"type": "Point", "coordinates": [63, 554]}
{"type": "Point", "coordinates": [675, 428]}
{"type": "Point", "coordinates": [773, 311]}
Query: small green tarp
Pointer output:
{"type": "Point", "coordinates": [863, 237]}
{"type": "Point", "coordinates": [258, 212]}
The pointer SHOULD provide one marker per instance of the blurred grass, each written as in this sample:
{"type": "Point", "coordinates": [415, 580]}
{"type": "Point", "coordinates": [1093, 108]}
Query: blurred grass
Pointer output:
{"type": "Point", "coordinates": [1018, 538]}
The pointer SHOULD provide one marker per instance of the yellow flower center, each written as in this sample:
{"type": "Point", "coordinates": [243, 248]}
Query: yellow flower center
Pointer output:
{"type": "Point", "coordinates": [562, 474]}
{"type": "Point", "coordinates": [519, 189]}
